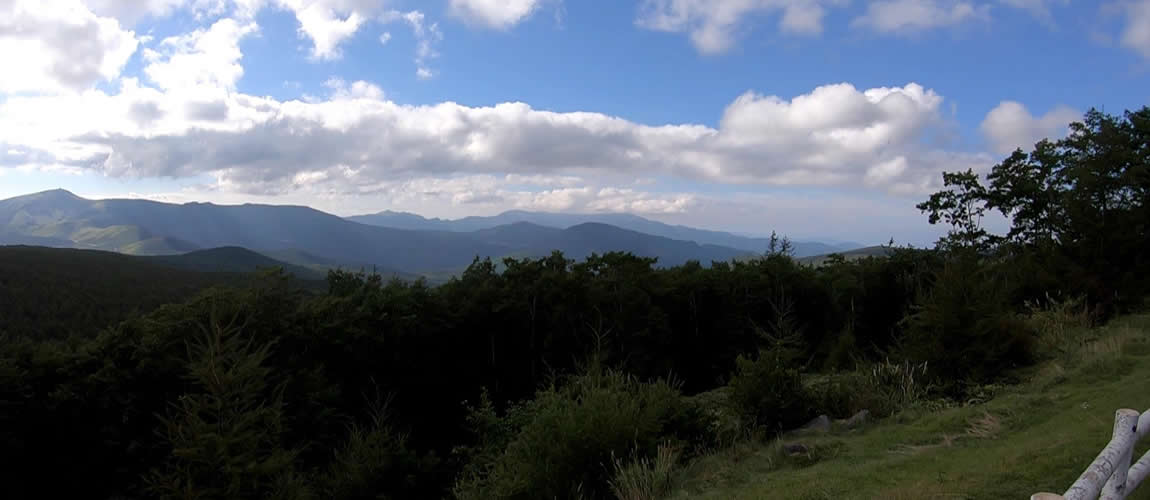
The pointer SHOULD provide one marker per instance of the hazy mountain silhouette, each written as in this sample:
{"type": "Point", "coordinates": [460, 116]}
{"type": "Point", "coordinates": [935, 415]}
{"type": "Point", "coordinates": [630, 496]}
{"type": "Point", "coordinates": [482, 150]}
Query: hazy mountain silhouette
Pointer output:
{"type": "Point", "coordinates": [315, 240]}
{"type": "Point", "coordinates": [405, 220]}
{"type": "Point", "coordinates": [56, 217]}
{"type": "Point", "coordinates": [582, 240]}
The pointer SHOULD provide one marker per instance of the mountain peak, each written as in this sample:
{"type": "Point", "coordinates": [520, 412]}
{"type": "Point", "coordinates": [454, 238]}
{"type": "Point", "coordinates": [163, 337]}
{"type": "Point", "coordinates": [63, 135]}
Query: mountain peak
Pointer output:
{"type": "Point", "coordinates": [52, 197]}
{"type": "Point", "coordinates": [56, 194]}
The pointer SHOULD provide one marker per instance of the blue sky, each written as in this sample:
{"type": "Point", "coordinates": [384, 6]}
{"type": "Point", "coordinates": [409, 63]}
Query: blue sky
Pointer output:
{"type": "Point", "coordinates": [819, 118]}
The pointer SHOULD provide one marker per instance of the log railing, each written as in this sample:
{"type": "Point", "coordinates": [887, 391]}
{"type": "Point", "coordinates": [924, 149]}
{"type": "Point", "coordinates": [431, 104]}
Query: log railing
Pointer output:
{"type": "Point", "coordinates": [1110, 476]}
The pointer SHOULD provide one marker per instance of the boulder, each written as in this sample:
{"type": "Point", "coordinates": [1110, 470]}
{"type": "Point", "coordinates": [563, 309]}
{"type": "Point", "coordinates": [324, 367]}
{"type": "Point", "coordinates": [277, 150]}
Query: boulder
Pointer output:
{"type": "Point", "coordinates": [821, 423]}
{"type": "Point", "coordinates": [858, 419]}
{"type": "Point", "coordinates": [795, 448]}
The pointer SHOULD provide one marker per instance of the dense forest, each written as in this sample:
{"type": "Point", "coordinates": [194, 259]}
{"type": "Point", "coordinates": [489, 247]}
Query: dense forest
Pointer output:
{"type": "Point", "coordinates": [549, 377]}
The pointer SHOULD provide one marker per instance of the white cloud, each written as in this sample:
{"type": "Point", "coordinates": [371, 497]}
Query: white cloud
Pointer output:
{"type": "Point", "coordinates": [812, 138]}
{"type": "Point", "coordinates": [475, 193]}
{"type": "Point", "coordinates": [803, 19]}
{"type": "Point", "coordinates": [59, 45]}
{"type": "Point", "coordinates": [835, 135]}
{"type": "Point", "coordinates": [714, 24]}
{"type": "Point", "coordinates": [907, 16]}
{"type": "Point", "coordinates": [202, 58]}
{"type": "Point", "coordinates": [1040, 9]}
{"type": "Point", "coordinates": [427, 36]}
{"type": "Point", "coordinates": [129, 12]}
{"type": "Point", "coordinates": [544, 180]}
{"type": "Point", "coordinates": [384, 38]}
{"type": "Point", "coordinates": [1136, 34]}
{"type": "Point", "coordinates": [497, 14]}
{"type": "Point", "coordinates": [329, 23]}
{"type": "Point", "coordinates": [356, 90]}
{"type": "Point", "coordinates": [1010, 125]}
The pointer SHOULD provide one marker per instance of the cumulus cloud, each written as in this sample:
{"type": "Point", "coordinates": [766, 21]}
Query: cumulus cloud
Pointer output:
{"type": "Point", "coordinates": [358, 141]}
{"type": "Point", "coordinates": [328, 23]}
{"type": "Point", "coordinates": [1010, 125]}
{"type": "Point", "coordinates": [202, 58]}
{"type": "Point", "coordinates": [1136, 33]}
{"type": "Point", "coordinates": [908, 16]}
{"type": "Point", "coordinates": [714, 24]}
{"type": "Point", "coordinates": [356, 90]}
{"type": "Point", "coordinates": [59, 45]}
{"type": "Point", "coordinates": [497, 14]}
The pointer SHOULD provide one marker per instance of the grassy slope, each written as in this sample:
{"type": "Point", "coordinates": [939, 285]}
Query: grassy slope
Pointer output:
{"type": "Point", "coordinates": [1037, 436]}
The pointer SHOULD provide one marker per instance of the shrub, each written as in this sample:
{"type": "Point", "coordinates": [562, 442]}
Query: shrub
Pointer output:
{"type": "Point", "coordinates": [769, 393]}
{"type": "Point", "coordinates": [374, 463]}
{"type": "Point", "coordinates": [883, 388]}
{"type": "Point", "coordinates": [724, 423]}
{"type": "Point", "coordinates": [564, 440]}
{"type": "Point", "coordinates": [964, 328]}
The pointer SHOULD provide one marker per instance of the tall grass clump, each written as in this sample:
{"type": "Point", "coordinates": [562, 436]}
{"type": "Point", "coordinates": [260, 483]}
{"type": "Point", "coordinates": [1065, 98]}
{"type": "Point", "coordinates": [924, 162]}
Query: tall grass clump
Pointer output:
{"type": "Point", "coordinates": [883, 388]}
{"type": "Point", "coordinates": [646, 479]}
{"type": "Point", "coordinates": [1060, 324]}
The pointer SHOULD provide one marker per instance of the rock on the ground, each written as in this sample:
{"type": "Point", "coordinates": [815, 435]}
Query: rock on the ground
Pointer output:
{"type": "Point", "coordinates": [795, 448]}
{"type": "Point", "coordinates": [858, 419]}
{"type": "Point", "coordinates": [821, 423]}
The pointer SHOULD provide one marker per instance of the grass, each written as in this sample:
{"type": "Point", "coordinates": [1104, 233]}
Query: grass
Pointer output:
{"type": "Point", "coordinates": [1023, 439]}
{"type": "Point", "coordinates": [645, 479]}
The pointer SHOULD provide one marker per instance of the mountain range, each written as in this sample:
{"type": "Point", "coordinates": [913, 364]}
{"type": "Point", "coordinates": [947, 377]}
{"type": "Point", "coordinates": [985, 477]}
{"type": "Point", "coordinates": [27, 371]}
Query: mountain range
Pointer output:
{"type": "Point", "coordinates": [405, 220]}
{"type": "Point", "coordinates": [308, 240]}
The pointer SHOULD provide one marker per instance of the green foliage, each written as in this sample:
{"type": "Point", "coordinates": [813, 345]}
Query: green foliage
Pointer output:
{"type": "Point", "coordinates": [964, 329]}
{"type": "Point", "coordinates": [883, 388]}
{"type": "Point", "coordinates": [768, 391]}
{"type": "Point", "coordinates": [226, 434]}
{"type": "Point", "coordinates": [565, 439]}
{"type": "Point", "coordinates": [962, 205]}
{"type": "Point", "coordinates": [1078, 208]}
{"type": "Point", "coordinates": [1059, 324]}
{"type": "Point", "coordinates": [55, 293]}
{"type": "Point", "coordinates": [375, 462]}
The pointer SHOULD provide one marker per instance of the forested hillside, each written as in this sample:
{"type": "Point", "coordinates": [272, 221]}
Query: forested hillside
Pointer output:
{"type": "Point", "coordinates": [556, 377]}
{"type": "Point", "coordinates": [56, 293]}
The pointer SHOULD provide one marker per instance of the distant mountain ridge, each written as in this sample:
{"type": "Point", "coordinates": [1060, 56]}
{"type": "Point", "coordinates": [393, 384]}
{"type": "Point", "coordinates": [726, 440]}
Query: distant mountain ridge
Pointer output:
{"type": "Point", "coordinates": [314, 240]}
{"type": "Point", "coordinates": [582, 240]}
{"type": "Point", "coordinates": [62, 217]}
{"type": "Point", "coordinates": [406, 220]}
{"type": "Point", "coordinates": [231, 260]}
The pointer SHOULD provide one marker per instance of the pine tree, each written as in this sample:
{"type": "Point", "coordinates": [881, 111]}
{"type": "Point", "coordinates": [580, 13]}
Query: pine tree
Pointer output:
{"type": "Point", "coordinates": [225, 433]}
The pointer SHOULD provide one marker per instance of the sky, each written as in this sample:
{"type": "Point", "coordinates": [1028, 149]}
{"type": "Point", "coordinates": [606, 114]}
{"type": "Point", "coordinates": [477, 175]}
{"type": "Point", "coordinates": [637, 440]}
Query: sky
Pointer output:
{"type": "Point", "coordinates": [816, 118]}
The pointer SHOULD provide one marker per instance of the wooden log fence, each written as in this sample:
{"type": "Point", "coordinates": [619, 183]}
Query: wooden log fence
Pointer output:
{"type": "Point", "coordinates": [1110, 476]}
